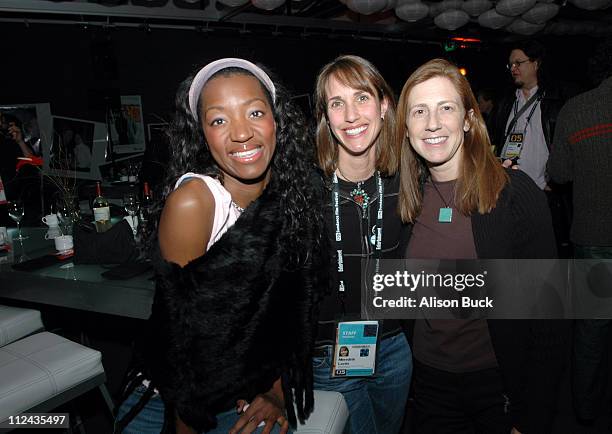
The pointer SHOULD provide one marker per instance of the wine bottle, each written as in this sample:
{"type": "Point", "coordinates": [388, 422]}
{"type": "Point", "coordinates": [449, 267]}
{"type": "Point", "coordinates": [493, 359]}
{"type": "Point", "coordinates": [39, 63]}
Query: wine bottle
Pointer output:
{"type": "Point", "coordinates": [101, 210]}
{"type": "Point", "coordinates": [146, 203]}
{"type": "Point", "coordinates": [4, 219]}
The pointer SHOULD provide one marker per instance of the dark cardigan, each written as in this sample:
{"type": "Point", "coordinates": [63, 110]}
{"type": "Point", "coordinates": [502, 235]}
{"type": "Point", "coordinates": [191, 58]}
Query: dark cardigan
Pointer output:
{"type": "Point", "coordinates": [231, 322]}
{"type": "Point", "coordinates": [531, 353]}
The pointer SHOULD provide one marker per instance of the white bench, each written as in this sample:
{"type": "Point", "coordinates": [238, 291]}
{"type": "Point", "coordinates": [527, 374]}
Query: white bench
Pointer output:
{"type": "Point", "coordinates": [329, 415]}
{"type": "Point", "coordinates": [15, 323]}
{"type": "Point", "coordinates": [43, 371]}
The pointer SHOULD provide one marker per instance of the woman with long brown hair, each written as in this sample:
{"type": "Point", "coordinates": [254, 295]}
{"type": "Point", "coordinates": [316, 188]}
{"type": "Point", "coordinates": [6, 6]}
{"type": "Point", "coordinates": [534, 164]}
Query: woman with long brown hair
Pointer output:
{"type": "Point", "coordinates": [476, 375]}
{"type": "Point", "coordinates": [358, 153]}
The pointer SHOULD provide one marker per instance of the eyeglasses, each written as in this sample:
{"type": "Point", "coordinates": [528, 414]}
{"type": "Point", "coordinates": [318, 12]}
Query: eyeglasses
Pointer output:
{"type": "Point", "coordinates": [517, 63]}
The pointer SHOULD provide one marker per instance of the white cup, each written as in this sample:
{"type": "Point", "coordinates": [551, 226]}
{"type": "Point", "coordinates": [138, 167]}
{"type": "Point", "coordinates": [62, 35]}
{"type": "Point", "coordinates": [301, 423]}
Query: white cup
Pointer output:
{"type": "Point", "coordinates": [4, 238]}
{"type": "Point", "coordinates": [63, 243]}
{"type": "Point", "coordinates": [50, 220]}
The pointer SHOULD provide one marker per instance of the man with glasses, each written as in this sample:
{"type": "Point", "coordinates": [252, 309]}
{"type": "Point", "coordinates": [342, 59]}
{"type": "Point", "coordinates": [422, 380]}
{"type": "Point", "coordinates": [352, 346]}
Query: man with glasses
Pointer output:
{"type": "Point", "coordinates": [523, 127]}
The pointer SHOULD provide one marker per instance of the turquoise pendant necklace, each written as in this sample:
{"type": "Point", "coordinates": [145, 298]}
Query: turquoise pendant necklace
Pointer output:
{"type": "Point", "coordinates": [446, 212]}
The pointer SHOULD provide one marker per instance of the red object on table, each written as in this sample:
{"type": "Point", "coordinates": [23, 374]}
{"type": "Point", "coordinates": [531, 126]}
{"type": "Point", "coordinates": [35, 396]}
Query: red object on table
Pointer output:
{"type": "Point", "coordinates": [33, 161]}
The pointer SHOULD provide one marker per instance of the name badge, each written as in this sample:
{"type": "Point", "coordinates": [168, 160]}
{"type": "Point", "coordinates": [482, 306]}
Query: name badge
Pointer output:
{"type": "Point", "coordinates": [355, 349]}
{"type": "Point", "coordinates": [512, 147]}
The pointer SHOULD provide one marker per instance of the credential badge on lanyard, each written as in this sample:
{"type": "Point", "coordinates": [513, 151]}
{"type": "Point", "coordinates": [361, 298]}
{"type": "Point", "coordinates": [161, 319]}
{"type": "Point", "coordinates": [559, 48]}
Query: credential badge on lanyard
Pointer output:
{"type": "Point", "coordinates": [515, 138]}
{"type": "Point", "coordinates": [355, 349]}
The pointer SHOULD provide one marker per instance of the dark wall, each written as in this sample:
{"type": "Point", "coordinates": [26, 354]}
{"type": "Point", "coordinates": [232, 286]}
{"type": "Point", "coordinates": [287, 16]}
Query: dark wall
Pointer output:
{"type": "Point", "coordinates": [73, 68]}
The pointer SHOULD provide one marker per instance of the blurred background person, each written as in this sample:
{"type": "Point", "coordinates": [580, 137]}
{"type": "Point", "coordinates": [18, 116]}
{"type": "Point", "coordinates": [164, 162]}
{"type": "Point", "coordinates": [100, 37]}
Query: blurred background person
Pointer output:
{"type": "Point", "coordinates": [20, 164]}
{"type": "Point", "coordinates": [12, 145]}
{"type": "Point", "coordinates": [524, 125]}
{"type": "Point", "coordinates": [582, 156]}
{"type": "Point", "coordinates": [82, 153]}
{"type": "Point", "coordinates": [486, 103]}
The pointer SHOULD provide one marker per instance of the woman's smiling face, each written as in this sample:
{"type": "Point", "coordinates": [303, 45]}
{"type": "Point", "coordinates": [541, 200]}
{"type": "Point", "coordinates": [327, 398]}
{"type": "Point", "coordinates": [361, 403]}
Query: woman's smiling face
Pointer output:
{"type": "Point", "coordinates": [238, 124]}
{"type": "Point", "coordinates": [354, 117]}
{"type": "Point", "coordinates": [437, 122]}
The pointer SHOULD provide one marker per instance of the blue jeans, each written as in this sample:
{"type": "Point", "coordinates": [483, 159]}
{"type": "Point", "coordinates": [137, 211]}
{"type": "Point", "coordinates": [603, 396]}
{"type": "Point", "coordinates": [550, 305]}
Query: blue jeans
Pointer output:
{"type": "Point", "coordinates": [376, 404]}
{"type": "Point", "coordinates": [590, 350]}
{"type": "Point", "coordinates": [150, 419]}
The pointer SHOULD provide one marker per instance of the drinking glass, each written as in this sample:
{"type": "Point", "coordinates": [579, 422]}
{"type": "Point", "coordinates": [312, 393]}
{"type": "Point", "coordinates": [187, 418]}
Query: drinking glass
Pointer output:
{"type": "Point", "coordinates": [15, 210]}
{"type": "Point", "coordinates": [131, 205]}
{"type": "Point", "coordinates": [65, 216]}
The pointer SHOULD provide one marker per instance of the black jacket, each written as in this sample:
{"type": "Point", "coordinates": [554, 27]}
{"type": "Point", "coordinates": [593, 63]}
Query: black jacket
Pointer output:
{"type": "Point", "coordinates": [232, 321]}
{"type": "Point", "coordinates": [356, 233]}
{"type": "Point", "coordinates": [551, 104]}
{"type": "Point", "coordinates": [530, 353]}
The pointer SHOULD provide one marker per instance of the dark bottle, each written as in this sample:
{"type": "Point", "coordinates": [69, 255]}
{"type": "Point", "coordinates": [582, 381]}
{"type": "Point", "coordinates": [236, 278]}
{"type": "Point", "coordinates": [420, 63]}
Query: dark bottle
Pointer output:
{"type": "Point", "coordinates": [146, 203]}
{"type": "Point", "coordinates": [4, 217]}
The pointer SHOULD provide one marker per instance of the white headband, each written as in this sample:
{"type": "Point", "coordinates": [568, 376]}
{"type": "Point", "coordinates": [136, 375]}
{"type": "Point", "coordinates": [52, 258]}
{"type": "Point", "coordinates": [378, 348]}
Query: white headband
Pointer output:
{"type": "Point", "coordinates": [212, 68]}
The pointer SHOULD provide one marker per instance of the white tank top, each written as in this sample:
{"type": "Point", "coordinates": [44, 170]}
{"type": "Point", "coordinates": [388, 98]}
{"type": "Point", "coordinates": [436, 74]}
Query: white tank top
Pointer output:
{"type": "Point", "coordinates": [225, 213]}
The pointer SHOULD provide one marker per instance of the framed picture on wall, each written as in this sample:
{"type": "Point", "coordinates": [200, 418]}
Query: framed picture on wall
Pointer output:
{"type": "Point", "coordinates": [77, 149]}
{"type": "Point", "coordinates": [127, 126]}
{"type": "Point", "coordinates": [34, 121]}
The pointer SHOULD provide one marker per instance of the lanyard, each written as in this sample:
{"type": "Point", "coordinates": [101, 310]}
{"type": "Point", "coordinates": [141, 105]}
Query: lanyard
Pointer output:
{"type": "Point", "coordinates": [517, 113]}
{"type": "Point", "coordinates": [338, 237]}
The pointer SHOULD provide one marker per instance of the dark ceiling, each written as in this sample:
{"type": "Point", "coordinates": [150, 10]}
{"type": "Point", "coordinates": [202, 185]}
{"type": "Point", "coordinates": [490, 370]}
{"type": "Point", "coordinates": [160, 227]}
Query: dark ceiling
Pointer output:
{"type": "Point", "coordinates": [326, 18]}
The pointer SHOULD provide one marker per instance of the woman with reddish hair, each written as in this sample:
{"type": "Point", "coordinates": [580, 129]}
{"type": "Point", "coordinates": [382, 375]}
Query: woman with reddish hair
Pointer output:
{"type": "Point", "coordinates": [472, 375]}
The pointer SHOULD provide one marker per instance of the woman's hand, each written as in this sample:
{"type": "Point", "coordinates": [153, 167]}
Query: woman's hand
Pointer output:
{"type": "Point", "coordinates": [17, 135]}
{"type": "Point", "coordinates": [267, 408]}
{"type": "Point", "coordinates": [15, 132]}
{"type": "Point", "coordinates": [515, 431]}
{"type": "Point", "coordinates": [510, 163]}
{"type": "Point", "coordinates": [181, 427]}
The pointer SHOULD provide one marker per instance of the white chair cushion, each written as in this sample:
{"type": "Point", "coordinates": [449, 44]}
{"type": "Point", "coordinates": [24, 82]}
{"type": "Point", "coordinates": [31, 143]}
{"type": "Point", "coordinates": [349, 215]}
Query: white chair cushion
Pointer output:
{"type": "Point", "coordinates": [329, 415]}
{"type": "Point", "coordinates": [16, 323]}
{"type": "Point", "coordinates": [40, 367]}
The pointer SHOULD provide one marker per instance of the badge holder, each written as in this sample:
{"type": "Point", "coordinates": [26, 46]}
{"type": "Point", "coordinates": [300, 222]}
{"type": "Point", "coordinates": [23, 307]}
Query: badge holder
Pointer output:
{"type": "Point", "coordinates": [513, 146]}
{"type": "Point", "coordinates": [355, 349]}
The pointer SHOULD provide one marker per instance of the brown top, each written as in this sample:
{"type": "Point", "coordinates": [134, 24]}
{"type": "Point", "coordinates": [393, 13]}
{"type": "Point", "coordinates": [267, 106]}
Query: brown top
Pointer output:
{"type": "Point", "coordinates": [450, 345]}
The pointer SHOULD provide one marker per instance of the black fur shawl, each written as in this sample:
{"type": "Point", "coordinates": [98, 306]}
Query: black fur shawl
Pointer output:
{"type": "Point", "coordinates": [231, 322]}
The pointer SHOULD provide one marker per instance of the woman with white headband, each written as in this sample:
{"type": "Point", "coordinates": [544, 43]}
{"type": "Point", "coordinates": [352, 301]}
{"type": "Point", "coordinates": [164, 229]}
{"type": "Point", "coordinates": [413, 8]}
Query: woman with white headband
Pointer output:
{"type": "Point", "coordinates": [233, 315]}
